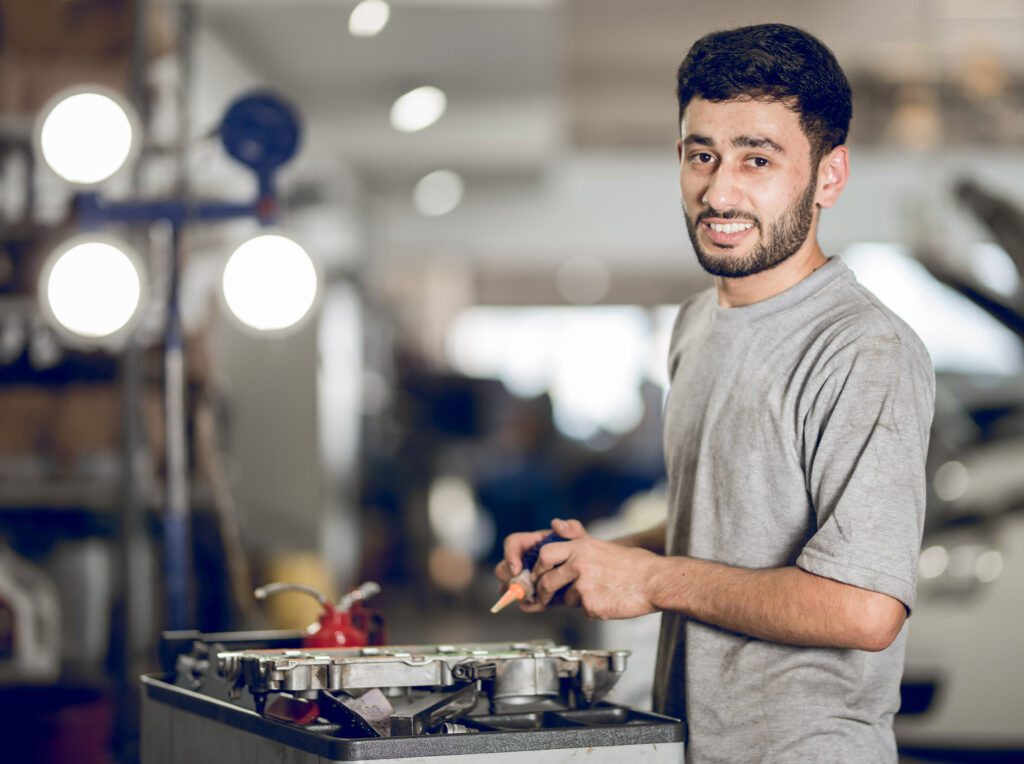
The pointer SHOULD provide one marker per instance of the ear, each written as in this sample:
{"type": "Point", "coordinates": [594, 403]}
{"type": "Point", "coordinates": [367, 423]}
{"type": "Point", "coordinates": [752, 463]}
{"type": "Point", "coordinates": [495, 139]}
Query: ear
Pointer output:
{"type": "Point", "coordinates": [679, 149]}
{"type": "Point", "coordinates": [833, 173]}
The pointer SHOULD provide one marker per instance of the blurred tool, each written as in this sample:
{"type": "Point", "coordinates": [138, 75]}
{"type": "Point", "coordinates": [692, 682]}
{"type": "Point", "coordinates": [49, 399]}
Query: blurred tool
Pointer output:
{"type": "Point", "coordinates": [346, 624]}
{"type": "Point", "coordinates": [521, 585]}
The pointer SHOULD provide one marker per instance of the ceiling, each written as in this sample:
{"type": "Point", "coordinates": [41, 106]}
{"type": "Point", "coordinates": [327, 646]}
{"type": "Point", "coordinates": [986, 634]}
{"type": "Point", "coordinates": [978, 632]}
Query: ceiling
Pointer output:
{"type": "Point", "coordinates": [527, 77]}
{"type": "Point", "coordinates": [561, 113]}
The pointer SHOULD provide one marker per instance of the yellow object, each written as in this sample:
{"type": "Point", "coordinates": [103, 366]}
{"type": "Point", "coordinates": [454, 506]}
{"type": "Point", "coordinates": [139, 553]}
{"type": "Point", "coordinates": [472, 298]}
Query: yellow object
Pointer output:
{"type": "Point", "coordinates": [295, 610]}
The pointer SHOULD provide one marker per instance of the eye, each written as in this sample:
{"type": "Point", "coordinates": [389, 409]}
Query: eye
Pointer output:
{"type": "Point", "coordinates": [701, 157]}
{"type": "Point", "coordinates": [759, 162]}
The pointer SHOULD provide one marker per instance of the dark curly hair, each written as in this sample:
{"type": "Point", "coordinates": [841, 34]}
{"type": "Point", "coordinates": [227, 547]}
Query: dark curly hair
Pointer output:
{"type": "Point", "coordinates": [775, 62]}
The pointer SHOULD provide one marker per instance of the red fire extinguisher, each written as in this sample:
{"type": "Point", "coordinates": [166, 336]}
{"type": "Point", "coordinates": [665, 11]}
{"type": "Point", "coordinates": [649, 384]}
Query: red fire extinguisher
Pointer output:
{"type": "Point", "coordinates": [347, 624]}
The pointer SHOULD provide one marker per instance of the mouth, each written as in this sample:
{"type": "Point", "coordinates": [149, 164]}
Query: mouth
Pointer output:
{"type": "Point", "coordinates": [727, 233]}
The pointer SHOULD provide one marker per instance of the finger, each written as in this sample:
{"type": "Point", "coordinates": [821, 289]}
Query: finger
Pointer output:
{"type": "Point", "coordinates": [547, 585]}
{"type": "Point", "coordinates": [532, 606]}
{"type": "Point", "coordinates": [502, 572]}
{"type": "Point", "coordinates": [568, 529]}
{"type": "Point", "coordinates": [516, 544]}
{"type": "Point", "coordinates": [571, 597]}
{"type": "Point", "coordinates": [550, 556]}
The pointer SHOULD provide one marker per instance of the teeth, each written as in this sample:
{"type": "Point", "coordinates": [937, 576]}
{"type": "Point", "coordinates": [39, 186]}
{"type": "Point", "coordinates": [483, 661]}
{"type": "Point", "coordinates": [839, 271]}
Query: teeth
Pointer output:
{"type": "Point", "coordinates": [730, 227]}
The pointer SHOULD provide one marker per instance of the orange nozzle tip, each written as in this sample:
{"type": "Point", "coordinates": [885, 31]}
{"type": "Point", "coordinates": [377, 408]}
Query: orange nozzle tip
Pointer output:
{"type": "Point", "coordinates": [515, 592]}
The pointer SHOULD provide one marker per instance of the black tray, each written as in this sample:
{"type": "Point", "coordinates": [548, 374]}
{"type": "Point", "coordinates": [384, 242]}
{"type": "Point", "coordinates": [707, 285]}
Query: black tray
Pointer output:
{"type": "Point", "coordinates": [604, 725]}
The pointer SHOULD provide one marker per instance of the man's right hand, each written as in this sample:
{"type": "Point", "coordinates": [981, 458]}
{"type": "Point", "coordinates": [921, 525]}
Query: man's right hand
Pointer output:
{"type": "Point", "coordinates": [516, 545]}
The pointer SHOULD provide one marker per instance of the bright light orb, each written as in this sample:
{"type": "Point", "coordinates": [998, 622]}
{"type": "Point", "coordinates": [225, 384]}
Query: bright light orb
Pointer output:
{"type": "Point", "coordinates": [270, 283]}
{"type": "Point", "coordinates": [86, 137]}
{"type": "Point", "coordinates": [93, 289]}
{"type": "Point", "coordinates": [418, 109]}
{"type": "Point", "coordinates": [933, 562]}
{"type": "Point", "coordinates": [438, 193]}
{"type": "Point", "coordinates": [988, 566]}
{"type": "Point", "coordinates": [369, 18]}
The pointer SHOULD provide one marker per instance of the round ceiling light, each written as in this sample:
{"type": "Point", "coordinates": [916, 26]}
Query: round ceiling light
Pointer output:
{"type": "Point", "coordinates": [86, 134]}
{"type": "Point", "coordinates": [369, 18]}
{"type": "Point", "coordinates": [270, 283]}
{"type": "Point", "coordinates": [438, 193]}
{"type": "Point", "coordinates": [91, 288]}
{"type": "Point", "coordinates": [418, 109]}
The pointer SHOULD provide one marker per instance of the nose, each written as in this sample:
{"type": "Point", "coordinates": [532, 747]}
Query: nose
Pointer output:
{"type": "Point", "coordinates": [723, 190]}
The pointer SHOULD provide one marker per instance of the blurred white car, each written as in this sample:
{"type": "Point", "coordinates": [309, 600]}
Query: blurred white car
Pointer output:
{"type": "Point", "coordinates": [963, 686]}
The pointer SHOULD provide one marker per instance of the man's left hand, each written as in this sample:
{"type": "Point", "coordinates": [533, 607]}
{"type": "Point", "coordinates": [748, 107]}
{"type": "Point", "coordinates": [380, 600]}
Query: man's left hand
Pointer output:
{"type": "Point", "coordinates": [604, 579]}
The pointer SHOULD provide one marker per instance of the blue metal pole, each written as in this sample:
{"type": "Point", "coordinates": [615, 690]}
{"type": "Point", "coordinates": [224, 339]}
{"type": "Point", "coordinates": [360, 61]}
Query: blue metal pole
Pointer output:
{"type": "Point", "coordinates": [94, 213]}
{"type": "Point", "coordinates": [261, 132]}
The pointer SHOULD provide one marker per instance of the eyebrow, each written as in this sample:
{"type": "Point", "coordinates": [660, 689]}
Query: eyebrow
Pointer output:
{"type": "Point", "coordinates": [740, 141]}
{"type": "Point", "coordinates": [757, 142]}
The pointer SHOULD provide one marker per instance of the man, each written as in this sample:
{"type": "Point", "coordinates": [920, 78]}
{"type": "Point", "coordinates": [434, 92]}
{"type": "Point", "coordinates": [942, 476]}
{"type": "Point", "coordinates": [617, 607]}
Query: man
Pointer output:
{"type": "Point", "coordinates": [795, 438]}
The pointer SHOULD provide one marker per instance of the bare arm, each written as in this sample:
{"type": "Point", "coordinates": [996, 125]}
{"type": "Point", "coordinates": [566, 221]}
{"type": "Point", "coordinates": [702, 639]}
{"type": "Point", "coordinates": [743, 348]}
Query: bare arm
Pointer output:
{"type": "Point", "coordinates": [788, 605]}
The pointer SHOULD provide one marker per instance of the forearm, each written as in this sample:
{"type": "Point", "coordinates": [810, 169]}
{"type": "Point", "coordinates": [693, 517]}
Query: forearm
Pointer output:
{"type": "Point", "coordinates": [652, 539]}
{"type": "Point", "coordinates": [786, 605]}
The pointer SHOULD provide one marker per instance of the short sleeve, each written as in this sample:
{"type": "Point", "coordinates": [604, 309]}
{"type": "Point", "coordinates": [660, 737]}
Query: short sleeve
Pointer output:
{"type": "Point", "coordinates": [865, 442]}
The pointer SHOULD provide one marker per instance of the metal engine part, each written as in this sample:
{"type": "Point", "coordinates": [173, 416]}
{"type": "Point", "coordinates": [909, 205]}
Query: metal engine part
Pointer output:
{"type": "Point", "coordinates": [516, 672]}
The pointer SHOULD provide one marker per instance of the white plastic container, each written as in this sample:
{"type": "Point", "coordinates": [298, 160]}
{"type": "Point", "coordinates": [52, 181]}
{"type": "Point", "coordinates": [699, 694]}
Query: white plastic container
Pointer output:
{"type": "Point", "coordinates": [29, 622]}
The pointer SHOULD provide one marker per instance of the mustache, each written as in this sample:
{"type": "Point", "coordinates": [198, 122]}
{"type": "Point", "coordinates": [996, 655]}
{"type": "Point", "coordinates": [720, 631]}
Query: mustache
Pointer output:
{"type": "Point", "coordinates": [711, 212]}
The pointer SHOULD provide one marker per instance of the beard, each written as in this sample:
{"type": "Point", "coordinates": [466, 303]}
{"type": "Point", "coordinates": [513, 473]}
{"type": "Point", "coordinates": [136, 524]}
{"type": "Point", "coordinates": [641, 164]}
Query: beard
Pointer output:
{"type": "Point", "coordinates": [786, 234]}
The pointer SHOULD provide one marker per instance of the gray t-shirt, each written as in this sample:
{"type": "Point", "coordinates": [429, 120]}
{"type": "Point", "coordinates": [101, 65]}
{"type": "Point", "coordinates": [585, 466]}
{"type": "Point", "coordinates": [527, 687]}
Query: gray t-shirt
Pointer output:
{"type": "Point", "coordinates": [795, 434]}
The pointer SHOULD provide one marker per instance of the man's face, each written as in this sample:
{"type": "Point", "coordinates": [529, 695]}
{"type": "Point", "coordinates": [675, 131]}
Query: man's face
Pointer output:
{"type": "Point", "coordinates": [747, 186]}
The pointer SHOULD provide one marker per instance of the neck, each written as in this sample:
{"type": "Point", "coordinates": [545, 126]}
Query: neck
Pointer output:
{"type": "Point", "coordinates": [737, 292]}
